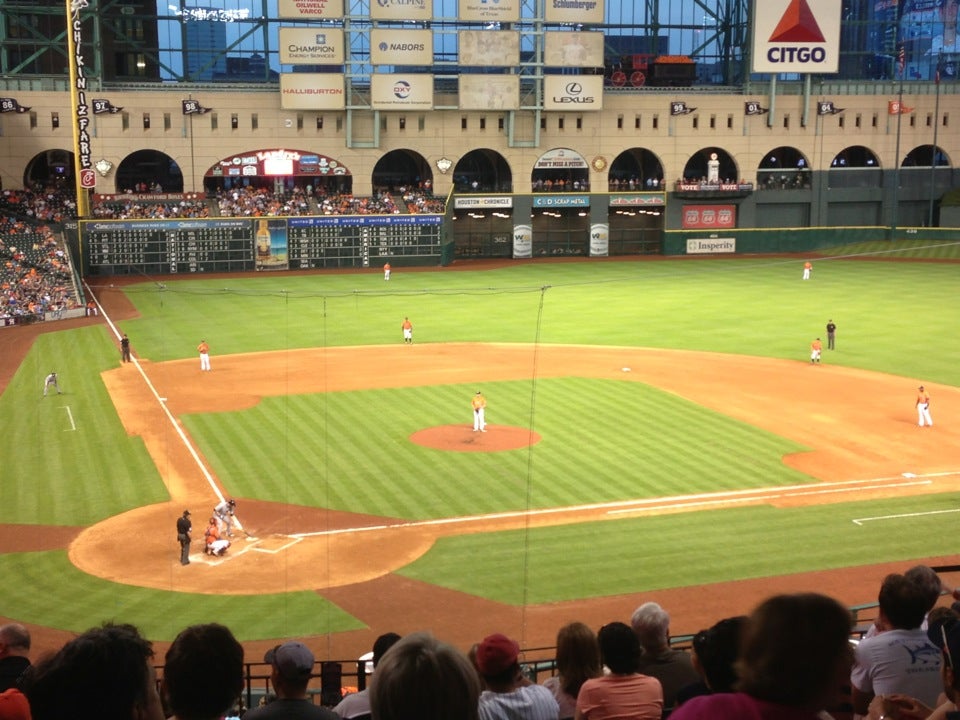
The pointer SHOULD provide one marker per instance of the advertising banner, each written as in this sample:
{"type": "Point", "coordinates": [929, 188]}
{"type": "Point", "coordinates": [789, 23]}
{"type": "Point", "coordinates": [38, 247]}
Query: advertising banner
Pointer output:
{"type": "Point", "coordinates": [310, 9]}
{"type": "Point", "coordinates": [711, 246]}
{"type": "Point", "coordinates": [560, 159]}
{"type": "Point", "coordinates": [401, 91]}
{"type": "Point", "coordinates": [573, 49]}
{"type": "Point", "coordinates": [522, 241]}
{"type": "Point", "coordinates": [401, 47]}
{"type": "Point", "coordinates": [599, 240]}
{"type": "Point", "coordinates": [489, 92]}
{"type": "Point", "coordinates": [579, 12]}
{"type": "Point", "coordinates": [409, 10]}
{"type": "Point", "coordinates": [582, 93]}
{"type": "Point", "coordinates": [484, 11]}
{"type": "Point", "coordinates": [489, 48]}
{"type": "Point", "coordinates": [311, 91]}
{"type": "Point", "coordinates": [796, 36]}
{"type": "Point", "coordinates": [709, 216]}
{"type": "Point", "coordinates": [311, 46]}
{"type": "Point", "coordinates": [477, 203]}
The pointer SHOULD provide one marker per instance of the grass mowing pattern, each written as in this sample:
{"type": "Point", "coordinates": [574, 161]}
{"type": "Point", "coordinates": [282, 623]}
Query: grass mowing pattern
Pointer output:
{"type": "Point", "coordinates": [43, 578]}
{"type": "Point", "coordinates": [603, 440]}
{"type": "Point", "coordinates": [753, 306]}
{"type": "Point", "coordinates": [75, 464]}
{"type": "Point", "coordinates": [545, 565]}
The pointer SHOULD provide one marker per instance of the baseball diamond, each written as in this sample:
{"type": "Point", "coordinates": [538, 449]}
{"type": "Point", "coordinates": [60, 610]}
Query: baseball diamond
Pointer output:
{"type": "Point", "coordinates": [801, 448]}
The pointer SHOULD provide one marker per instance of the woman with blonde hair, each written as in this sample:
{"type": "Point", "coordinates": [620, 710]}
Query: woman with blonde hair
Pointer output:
{"type": "Point", "coordinates": [578, 660]}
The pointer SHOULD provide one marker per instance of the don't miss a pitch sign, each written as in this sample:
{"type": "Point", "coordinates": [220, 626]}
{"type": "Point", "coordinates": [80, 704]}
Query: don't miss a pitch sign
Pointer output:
{"type": "Point", "coordinates": [796, 36]}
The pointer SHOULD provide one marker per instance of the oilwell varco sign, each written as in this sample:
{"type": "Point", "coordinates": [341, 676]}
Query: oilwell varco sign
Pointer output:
{"type": "Point", "coordinates": [796, 36]}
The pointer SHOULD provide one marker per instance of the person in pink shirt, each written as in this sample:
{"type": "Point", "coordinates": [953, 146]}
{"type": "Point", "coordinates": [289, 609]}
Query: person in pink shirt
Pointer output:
{"type": "Point", "coordinates": [795, 661]}
{"type": "Point", "coordinates": [624, 694]}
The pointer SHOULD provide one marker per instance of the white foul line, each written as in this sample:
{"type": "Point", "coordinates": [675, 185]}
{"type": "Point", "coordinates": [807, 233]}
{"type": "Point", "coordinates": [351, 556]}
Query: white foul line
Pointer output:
{"type": "Point", "coordinates": [73, 425]}
{"type": "Point", "coordinates": [161, 402]}
{"type": "Point", "coordinates": [861, 521]}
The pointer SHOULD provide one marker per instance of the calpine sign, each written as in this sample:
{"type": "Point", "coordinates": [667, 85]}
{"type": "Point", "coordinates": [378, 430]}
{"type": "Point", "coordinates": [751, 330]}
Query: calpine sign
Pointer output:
{"type": "Point", "coordinates": [796, 36]}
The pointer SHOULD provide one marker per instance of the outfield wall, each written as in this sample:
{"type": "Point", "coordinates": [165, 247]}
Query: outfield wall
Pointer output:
{"type": "Point", "coordinates": [751, 241]}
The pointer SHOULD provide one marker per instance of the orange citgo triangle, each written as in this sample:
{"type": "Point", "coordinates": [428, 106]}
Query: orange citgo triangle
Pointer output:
{"type": "Point", "coordinates": [797, 25]}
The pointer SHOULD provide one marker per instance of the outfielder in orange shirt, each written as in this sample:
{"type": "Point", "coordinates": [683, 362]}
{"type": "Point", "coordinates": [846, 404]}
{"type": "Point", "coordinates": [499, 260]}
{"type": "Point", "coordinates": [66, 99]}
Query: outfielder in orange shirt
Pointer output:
{"type": "Point", "coordinates": [479, 404]}
{"type": "Point", "coordinates": [815, 349]}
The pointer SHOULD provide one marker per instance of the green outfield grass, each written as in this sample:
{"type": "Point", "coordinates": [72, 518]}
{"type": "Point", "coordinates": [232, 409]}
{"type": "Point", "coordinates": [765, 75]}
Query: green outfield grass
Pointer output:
{"type": "Point", "coordinates": [74, 467]}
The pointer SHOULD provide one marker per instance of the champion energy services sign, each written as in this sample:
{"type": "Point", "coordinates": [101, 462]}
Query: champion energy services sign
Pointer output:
{"type": "Point", "coordinates": [796, 36]}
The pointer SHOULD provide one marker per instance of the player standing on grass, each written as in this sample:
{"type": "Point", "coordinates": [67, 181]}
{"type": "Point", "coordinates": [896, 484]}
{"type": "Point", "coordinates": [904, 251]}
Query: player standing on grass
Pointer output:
{"type": "Point", "coordinates": [204, 351]}
{"type": "Point", "coordinates": [407, 328]}
{"type": "Point", "coordinates": [816, 347]}
{"type": "Point", "coordinates": [51, 381]}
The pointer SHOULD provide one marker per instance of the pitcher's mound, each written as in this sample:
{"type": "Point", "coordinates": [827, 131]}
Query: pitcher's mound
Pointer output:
{"type": "Point", "coordinates": [462, 438]}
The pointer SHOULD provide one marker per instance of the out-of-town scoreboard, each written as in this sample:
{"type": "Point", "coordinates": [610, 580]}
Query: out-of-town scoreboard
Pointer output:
{"type": "Point", "coordinates": [161, 247]}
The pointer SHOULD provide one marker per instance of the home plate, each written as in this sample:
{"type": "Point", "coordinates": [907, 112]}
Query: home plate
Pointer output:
{"type": "Point", "coordinates": [625, 369]}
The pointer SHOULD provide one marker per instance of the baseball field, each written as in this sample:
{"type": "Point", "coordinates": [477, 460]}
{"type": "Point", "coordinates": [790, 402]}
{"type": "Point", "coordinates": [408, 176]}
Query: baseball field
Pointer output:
{"type": "Point", "coordinates": [656, 430]}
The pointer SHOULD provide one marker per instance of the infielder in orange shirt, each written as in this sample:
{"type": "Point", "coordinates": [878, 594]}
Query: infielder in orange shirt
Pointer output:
{"type": "Point", "coordinates": [407, 328]}
{"type": "Point", "coordinates": [204, 351]}
{"type": "Point", "coordinates": [479, 403]}
{"type": "Point", "coordinates": [923, 407]}
{"type": "Point", "coordinates": [816, 347]}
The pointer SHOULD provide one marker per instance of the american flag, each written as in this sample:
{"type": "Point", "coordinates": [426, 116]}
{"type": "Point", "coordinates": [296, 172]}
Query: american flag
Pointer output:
{"type": "Point", "coordinates": [901, 60]}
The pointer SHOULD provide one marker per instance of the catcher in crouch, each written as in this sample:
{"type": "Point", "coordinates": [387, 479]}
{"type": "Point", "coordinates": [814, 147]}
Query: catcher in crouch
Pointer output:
{"type": "Point", "coordinates": [215, 544]}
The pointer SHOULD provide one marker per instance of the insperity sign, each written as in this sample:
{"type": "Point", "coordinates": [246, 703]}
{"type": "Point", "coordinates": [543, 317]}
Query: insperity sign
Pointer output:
{"type": "Point", "coordinates": [796, 36]}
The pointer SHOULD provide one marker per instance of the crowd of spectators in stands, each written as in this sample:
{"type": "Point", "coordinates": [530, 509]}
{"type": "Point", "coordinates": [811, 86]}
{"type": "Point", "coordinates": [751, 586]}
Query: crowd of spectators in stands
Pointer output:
{"type": "Point", "coordinates": [35, 274]}
{"type": "Point", "coordinates": [121, 208]}
{"type": "Point", "coordinates": [795, 657]}
{"type": "Point", "coordinates": [251, 201]}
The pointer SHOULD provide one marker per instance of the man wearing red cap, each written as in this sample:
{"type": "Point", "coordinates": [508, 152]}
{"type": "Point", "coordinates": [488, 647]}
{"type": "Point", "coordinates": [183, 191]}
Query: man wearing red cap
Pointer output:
{"type": "Point", "coordinates": [509, 694]}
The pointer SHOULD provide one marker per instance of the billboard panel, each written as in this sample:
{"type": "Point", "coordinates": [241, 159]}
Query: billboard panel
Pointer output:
{"type": "Point", "coordinates": [796, 36]}
{"type": "Point", "coordinates": [497, 48]}
{"type": "Point", "coordinates": [310, 9]}
{"type": "Point", "coordinates": [401, 47]}
{"type": "Point", "coordinates": [311, 46]}
{"type": "Point", "coordinates": [311, 91]}
{"type": "Point", "coordinates": [485, 11]}
{"type": "Point", "coordinates": [401, 91]}
{"type": "Point", "coordinates": [573, 49]}
{"type": "Point", "coordinates": [579, 12]}
{"type": "Point", "coordinates": [413, 10]}
{"type": "Point", "coordinates": [573, 92]}
{"type": "Point", "coordinates": [489, 92]}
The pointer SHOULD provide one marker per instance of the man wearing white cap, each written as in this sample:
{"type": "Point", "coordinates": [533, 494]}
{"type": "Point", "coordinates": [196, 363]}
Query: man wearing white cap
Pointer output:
{"type": "Point", "coordinates": [292, 666]}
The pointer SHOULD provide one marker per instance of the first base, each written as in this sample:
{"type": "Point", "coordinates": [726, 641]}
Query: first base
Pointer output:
{"type": "Point", "coordinates": [625, 369]}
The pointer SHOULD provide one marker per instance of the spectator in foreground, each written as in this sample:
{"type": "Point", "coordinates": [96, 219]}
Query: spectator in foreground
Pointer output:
{"type": "Point", "coordinates": [291, 669]}
{"type": "Point", "coordinates": [510, 695]}
{"type": "Point", "coordinates": [104, 674]}
{"type": "Point", "coordinates": [578, 660]}
{"type": "Point", "coordinates": [421, 678]}
{"type": "Point", "coordinates": [203, 673]}
{"type": "Point", "coordinates": [899, 658]}
{"type": "Point", "coordinates": [358, 703]}
{"type": "Point", "coordinates": [715, 652]}
{"type": "Point", "coordinates": [624, 693]}
{"type": "Point", "coordinates": [673, 668]}
{"type": "Point", "coordinates": [944, 632]}
{"type": "Point", "coordinates": [14, 654]}
{"type": "Point", "coordinates": [794, 663]}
